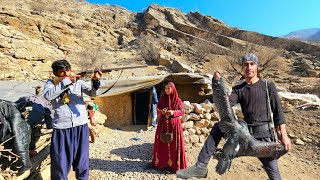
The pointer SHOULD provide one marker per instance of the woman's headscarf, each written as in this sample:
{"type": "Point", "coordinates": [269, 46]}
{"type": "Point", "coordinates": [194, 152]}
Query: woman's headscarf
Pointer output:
{"type": "Point", "coordinates": [170, 101]}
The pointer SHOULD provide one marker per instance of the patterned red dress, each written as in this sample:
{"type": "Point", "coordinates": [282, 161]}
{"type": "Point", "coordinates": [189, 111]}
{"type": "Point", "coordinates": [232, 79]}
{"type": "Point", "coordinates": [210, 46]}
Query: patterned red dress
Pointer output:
{"type": "Point", "coordinates": [170, 156]}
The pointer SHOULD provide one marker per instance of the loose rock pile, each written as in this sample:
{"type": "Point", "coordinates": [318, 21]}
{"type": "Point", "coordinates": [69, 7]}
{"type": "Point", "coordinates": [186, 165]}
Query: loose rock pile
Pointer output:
{"type": "Point", "coordinates": [198, 121]}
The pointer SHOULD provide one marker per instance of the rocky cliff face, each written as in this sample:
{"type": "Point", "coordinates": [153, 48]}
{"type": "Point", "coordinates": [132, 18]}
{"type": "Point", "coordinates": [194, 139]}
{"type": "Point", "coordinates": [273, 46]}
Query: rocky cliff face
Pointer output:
{"type": "Point", "coordinates": [35, 33]}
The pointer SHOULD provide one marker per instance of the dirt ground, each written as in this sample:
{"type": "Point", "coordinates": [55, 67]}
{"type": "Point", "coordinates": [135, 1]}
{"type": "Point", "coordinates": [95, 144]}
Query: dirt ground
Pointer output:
{"type": "Point", "coordinates": [302, 163]}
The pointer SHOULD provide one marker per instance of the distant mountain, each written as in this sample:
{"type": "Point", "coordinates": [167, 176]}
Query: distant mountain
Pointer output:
{"type": "Point", "coordinates": [312, 34]}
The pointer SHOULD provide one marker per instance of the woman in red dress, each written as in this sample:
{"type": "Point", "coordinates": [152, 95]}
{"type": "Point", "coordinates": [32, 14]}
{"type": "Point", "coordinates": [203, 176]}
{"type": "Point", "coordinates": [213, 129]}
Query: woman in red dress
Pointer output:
{"type": "Point", "coordinates": [169, 156]}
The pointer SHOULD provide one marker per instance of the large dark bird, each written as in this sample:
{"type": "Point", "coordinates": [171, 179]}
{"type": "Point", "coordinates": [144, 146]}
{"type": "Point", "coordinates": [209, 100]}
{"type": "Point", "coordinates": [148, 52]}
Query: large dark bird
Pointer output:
{"type": "Point", "coordinates": [239, 141]}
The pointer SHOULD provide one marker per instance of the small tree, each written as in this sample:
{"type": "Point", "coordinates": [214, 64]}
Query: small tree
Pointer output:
{"type": "Point", "coordinates": [234, 60]}
{"type": "Point", "coordinates": [90, 58]}
{"type": "Point", "coordinates": [266, 58]}
{"type": "Point", "coordinates": [149, 47]}
{"type": "Point", "coordinates": [202, 48]}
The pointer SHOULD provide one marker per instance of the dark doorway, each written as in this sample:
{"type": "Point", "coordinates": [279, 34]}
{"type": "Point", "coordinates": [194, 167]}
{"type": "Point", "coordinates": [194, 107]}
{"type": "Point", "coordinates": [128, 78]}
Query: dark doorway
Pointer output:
{"type": "Point", "coordinates": [141, 101]}
{"type": "Point", "coordinates": [141, 107]}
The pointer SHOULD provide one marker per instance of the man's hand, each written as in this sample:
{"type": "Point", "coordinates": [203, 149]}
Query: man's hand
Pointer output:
{"type": "Point", "coordinates": [74, 77]}
{"type": "Point", "coordinates": [97, 75]}
{"type": "Point", "coordinates": [284, 137]}
{"type": "Point", "coordinates": [217, 75]}
{"type": "Point", "coordinates": [286, 142]}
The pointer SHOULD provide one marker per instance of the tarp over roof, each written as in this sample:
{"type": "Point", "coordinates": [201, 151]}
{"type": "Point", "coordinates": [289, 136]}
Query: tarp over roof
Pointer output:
{"type": "Point", "coordinates": [137, 83]}
{"type": "Point", "coordinates": [13, 90]}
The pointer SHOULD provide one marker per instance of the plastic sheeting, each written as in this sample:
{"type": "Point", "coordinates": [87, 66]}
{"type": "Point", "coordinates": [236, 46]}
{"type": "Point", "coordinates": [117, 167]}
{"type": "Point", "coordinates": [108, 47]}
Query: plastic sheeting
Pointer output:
{"type": "Point", "coordinates": [137, 83]}
{"type": "Point", "coordinates": [13, 90]}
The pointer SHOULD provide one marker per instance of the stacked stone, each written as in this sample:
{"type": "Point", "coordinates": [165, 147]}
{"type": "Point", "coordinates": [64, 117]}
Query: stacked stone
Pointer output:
{"type": "Point", "coordinates": [198, 121]}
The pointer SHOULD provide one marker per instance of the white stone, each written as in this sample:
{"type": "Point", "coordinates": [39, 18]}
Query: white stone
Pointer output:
{"type": "Point", "coordinates": [298, 142]}
{"type": "Point", "coordinates": [194, 138]}
{"type": "Point", "coordinates": [187, 125]}
{"type": "Point", "coordinates": [207, 116]}
{"type": "Point", "coordinates": [202, 138]}
{"type": "Point", "coordinates": [198, 130]}
{"type": "Point", "coordinates": [191, 131]}
{"type": "Point", "coordinates": [215, 116]}
{"type": "Point", "coordinates": [205, 130]}
{"type": "Point", "coordinates": [185, 133]}
{"type": "Point", "coordinates": [185, 118]}
{"type": "Point", "coordinates": [207, 105]}
{"type": "Point", "coordinates": [194, 117]}
{"type": "Point", "coordinates": [202, 123]}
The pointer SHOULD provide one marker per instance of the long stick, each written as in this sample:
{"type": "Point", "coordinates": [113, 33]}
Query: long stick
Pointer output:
{"type": "Point", "coordinates": [83, 73]}
{"type": "Point", "coordinates": [7, 140]}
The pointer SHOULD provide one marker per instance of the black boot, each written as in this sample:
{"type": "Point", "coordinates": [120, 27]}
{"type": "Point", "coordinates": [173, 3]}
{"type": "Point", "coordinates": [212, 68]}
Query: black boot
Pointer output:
{"type": "Point", "coordinates": [199, 170]}
{"type": "Point", "coordinates": [25, 162]}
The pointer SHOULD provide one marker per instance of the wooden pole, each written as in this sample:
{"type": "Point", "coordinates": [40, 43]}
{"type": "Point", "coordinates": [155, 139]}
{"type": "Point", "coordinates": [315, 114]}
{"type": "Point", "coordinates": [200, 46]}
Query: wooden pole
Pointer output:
{"type": "Point", "coordinates": [135, 108]}
{"type": "Point", "coordinates": [149, 122]}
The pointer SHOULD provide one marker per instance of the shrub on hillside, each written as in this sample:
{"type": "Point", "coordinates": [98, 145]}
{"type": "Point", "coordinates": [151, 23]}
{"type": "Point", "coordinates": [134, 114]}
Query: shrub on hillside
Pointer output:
{"type": "Point", "coordinates": [149, 47]}
{"type": "Point", "coordinates": [266, 58]}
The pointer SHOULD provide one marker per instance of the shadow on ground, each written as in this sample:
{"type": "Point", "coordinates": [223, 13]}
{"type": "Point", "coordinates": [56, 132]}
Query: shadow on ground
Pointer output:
{"type": "Point", "coordinates": [136, 158]}
{"type": "Point", "coordinates": [142, 152]}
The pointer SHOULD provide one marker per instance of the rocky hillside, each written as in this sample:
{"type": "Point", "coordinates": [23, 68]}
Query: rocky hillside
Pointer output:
{"type": "Point", "coordinates": [34, 33]}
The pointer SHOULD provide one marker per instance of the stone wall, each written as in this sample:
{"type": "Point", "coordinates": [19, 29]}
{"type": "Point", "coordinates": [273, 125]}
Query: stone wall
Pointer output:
{"type": "Point", "coordinates": [118, 109]}
{"type": "Point", "coordinates": [198, 121]}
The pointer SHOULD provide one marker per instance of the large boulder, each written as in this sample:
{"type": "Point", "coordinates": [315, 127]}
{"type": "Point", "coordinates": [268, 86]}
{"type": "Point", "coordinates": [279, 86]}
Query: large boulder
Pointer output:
{"type": "Point", "coordinates": [165, 60]}
{"type": "Point", "coordinates": [306, 65]}
{"type": "Point", "coordinates": [180, 67]}
{"type": "Point", "coordinates": [313, 73]}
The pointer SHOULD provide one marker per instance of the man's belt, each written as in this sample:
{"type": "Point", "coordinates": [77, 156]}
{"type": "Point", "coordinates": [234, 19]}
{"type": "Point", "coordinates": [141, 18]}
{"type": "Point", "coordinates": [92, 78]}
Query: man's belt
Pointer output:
{"type": "Point", "coordinates": [261, 131]}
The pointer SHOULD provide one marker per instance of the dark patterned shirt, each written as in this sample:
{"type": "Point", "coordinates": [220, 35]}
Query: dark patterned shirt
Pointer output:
{"type": "Point", "coordinates": [253, 101]}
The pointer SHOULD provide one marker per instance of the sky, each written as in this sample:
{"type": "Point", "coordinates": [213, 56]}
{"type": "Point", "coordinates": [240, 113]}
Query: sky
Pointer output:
{"type": "Point", "coordinates": [270, 17]}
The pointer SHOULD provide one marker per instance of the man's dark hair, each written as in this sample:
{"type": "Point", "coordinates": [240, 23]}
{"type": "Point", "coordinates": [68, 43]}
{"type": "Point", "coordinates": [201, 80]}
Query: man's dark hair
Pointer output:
{"type": "Point", "coordinates": [60, 65]}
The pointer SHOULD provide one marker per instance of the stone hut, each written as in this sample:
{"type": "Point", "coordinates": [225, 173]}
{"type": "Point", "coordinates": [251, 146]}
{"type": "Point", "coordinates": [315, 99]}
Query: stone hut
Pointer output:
{"type": "Point", "coordinates": [128, 102]}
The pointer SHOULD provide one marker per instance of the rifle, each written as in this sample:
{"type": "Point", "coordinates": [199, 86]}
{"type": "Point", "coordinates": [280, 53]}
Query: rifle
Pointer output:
{"type": "Point", "coordinates": [83, 73]}
{"type": "Point", "coordinates": [86, 72]}
{"type": "Point", "coordinates": [65, 97]}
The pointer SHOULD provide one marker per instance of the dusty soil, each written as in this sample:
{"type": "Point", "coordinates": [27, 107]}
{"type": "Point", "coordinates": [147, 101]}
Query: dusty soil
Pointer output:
{"type": "Point", "coordinates": [116, 156]}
